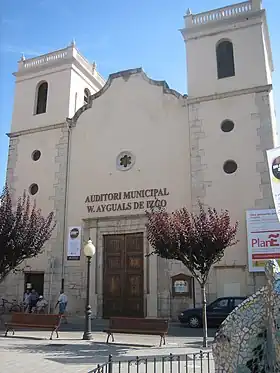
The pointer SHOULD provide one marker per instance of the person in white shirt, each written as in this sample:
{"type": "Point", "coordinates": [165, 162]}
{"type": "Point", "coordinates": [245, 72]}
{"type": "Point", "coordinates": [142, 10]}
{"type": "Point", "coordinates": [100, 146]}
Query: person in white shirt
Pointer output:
{"type": "Point", "coordinates": [62, 303]}
{"type": "Point", "coordinates": [41, 304]}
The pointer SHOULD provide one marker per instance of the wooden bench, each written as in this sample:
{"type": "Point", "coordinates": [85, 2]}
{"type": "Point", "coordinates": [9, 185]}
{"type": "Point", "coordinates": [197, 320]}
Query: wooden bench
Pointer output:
{"type": "Point", "coordinates": [34, 320]}
{"type": "Point", "coordinates": [137, 326]}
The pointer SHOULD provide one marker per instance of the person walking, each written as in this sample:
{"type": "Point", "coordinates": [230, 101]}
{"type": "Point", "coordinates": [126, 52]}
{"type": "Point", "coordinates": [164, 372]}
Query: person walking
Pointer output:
{"type": "Point", "coordinates": [26, 297]}
{"type": "Point", "coordinates": [62, 303]}
{"type": "Point", "coordinates": [33, 298]}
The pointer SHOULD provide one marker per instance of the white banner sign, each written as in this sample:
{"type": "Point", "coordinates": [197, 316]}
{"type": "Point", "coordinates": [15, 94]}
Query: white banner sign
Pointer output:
{"type": "Point", "coordinates": [273, 158]}
{"type": "Point", "coordinates": [74, 243]}
{"type": "Point", "coordinates": [263, 235]}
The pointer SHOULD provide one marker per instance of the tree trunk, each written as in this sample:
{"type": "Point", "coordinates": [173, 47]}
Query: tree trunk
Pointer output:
{"type": "Point", "coordinates": [204, 316]}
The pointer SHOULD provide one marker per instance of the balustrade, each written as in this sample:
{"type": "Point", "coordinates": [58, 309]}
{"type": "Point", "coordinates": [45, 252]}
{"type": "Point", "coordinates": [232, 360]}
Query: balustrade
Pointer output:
{"type": "Point", "coordinates": [219, 14]}
{"type": "Point", "coordinates": [48, 58]}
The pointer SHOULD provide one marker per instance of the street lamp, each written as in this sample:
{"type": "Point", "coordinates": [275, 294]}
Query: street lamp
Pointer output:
{"type": "Point", "coordinates": [89, 251]}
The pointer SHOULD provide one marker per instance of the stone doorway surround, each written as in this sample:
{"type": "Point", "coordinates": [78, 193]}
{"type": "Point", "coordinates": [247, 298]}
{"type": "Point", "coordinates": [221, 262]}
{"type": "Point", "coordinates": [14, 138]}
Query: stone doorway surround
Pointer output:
{"type": "Point", "coordinates": [123, 275]}
{"type": "Point", "coordinates": [96, 228]}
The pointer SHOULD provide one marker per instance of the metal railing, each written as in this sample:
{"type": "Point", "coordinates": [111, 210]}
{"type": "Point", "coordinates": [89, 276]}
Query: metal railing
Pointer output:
{"type": "Point", "coordinates": [200, 362]}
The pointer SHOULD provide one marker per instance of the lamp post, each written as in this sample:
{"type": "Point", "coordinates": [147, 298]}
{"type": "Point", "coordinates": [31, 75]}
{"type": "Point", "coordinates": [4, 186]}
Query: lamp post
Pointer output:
{"type": "Point", "coordinates": [89, 251]}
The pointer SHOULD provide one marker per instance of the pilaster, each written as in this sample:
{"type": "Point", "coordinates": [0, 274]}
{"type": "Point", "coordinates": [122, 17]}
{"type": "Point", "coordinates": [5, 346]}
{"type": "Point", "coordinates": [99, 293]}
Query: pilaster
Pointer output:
{"type": "Point", "coordinates": [263, 122]}
{"type": "Point", "coordinates": [12, 161]}
{"type": "Point", "coordinates": [198, 164]}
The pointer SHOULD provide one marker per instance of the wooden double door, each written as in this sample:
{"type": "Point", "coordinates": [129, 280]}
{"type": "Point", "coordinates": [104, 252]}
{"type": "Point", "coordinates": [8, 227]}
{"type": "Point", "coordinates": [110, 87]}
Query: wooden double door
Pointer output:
{"type": "Point", "coordinates": [123, 275]}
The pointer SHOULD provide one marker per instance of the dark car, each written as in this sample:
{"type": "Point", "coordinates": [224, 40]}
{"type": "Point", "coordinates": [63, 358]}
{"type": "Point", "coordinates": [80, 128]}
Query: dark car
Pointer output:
{"type": "Point", "coordinates": [217, 312]}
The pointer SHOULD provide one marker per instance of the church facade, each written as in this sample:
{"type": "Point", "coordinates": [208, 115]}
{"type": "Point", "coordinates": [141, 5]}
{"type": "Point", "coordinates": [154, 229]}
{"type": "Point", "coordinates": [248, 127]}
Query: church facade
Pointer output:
{"type": "Point", "coordinates": [100, 153]}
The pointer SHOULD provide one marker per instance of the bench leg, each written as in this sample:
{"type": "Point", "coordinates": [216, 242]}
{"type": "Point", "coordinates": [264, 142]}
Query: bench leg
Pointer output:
{"type": "Point", "coordinates": [108, 336]}
{"type": "Point", "coordinates": [54, 330]}
{"type": "Point", "coordinates": [52, 334]}
{"type": "Point", "coordinates": [6, 332]}
{"type": "Point", "coordinates": [162, 339]}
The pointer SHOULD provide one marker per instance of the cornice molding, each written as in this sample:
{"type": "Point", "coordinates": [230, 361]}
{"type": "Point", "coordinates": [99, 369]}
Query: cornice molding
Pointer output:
{"type": "Point", "coordinates": [219, 96]}
{"type": "Point", "coordinates": [29, 131]}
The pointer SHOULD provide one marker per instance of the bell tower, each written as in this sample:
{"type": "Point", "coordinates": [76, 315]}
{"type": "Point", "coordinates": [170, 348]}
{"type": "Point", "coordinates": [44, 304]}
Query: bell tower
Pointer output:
{"type": "Point", "coordinates": [51, 87]}
{"type": "Point", "coordinates": [227, 49]}
{"type": "Point", "coordinates": [232, 123]}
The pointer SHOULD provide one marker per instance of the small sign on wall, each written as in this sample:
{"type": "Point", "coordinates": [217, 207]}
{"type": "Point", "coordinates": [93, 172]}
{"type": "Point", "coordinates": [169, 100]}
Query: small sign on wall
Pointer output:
{"type": "Point", "coordinates": [181, 285]}
{"type": "Point", "coordinates": [74, 243]}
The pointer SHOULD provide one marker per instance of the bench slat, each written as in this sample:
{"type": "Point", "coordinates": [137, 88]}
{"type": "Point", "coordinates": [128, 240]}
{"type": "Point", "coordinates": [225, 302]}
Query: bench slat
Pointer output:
{"type": "Point", "coordinates": [34, 319]}
{"type": "Point", "coordinates": [31, 325]}
{"type": "Point", "coordinates": [133, 331]}
{"type": "Point", "coordinates": [123, 323]}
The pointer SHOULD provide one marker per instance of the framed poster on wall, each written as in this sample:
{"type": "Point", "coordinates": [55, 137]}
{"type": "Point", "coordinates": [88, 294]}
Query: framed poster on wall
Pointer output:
{"type": "Point", "coordinates": [273, 159]}
{"type": "Point", "coordinates": [74, 243]}
{"type": "Point", "coordinates": [263, 236]}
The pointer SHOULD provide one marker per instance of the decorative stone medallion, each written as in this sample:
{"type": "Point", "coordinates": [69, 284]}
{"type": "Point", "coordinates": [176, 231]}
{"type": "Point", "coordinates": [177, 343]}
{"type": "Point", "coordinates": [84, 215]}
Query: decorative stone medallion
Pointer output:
{"type": "Point", "coordinates": [125, 161]}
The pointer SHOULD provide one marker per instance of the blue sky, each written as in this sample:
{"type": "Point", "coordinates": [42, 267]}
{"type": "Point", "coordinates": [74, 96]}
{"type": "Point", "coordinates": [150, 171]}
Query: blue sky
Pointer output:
{"type": "Point", "coordinates": [116, 34]}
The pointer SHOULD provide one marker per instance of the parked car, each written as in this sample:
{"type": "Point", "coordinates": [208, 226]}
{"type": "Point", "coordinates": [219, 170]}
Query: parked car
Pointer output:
{"type": "Point", "coordinates": [217, 312]}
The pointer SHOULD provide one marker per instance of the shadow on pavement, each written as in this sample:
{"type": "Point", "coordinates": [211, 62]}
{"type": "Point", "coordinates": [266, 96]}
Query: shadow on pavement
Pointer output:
{"type": "Point", "coordinates": [98, 325]}
{"type": "Point", "coordinates": [175, 329]}
{"type": "Point", "coordinates": [82, 353]}
{"type": "Point", "coordinates": [178, 330]}
{"type": "Point", "coordinates": [198, 344]}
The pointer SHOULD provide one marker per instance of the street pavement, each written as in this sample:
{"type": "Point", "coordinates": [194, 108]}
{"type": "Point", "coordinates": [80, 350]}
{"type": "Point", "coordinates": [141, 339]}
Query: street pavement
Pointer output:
{"type": "Point", "coordinates": [32, 351]}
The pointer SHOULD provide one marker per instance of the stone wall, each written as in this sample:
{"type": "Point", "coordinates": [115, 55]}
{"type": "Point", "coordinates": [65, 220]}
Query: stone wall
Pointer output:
{"type": "Point", "coordinates": [262, 119]}
{"type": "Point", "coordinates": [12, 161]}
{"type": "Point", "coordinates": [57, 252]}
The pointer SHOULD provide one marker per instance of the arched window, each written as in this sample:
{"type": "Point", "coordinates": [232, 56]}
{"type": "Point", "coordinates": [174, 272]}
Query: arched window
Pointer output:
{"type": "Point", "coordinates": [42, 97]}
{"type": "Point", "coordinates": [225, 59]}
{"type": "Point", "coordinates": [86, 96]}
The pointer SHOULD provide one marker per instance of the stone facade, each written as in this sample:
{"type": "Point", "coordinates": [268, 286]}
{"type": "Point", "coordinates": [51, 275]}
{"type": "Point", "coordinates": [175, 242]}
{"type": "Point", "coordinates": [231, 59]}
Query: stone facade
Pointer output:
{"type": "Point", "coordinates": [264, 131]}
{"type": "Point", "coordinates": [12, 161]}
{"type": "Point", "coordinates": [197, 154]}
{"type": "Point", "coordinates": [60, 208]}
{"type": "Point", "coordinates": [175, 142]}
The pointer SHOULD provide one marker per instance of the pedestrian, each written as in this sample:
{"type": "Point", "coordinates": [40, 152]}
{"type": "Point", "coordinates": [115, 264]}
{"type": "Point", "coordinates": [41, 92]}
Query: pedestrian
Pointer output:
{"type": "Point", "coordinates": [41, 304]}
{"type": "Point", "coordinates": [33, 300]}
{"type": "Point", "coordinates": [26, 297]}
{"type": "Point", "coordinates": [62, 303]}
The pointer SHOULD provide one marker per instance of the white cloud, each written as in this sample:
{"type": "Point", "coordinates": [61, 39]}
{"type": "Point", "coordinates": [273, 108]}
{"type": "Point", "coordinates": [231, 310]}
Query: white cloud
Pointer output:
{"type": "Point", "coordinates": [28, 52]}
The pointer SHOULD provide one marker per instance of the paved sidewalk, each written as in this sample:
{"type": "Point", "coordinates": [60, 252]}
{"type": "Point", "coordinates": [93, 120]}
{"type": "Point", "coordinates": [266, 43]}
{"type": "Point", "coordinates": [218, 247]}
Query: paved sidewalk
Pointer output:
{"type": "Point", "coordinates": [70, 354]}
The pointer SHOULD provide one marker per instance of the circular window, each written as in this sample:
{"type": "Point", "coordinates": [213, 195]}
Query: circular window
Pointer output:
{"type": "Point", "coordinates": [36, 155]}
{"type": "Point", "coordinates": [276, 168]}
{"type": "Point", "coordinates": [230, 167]}
{"type": "Point", "coordinates": [125, 160]}
{"type": "Point", "coordinates": [227, 125]}
{"type": "Point", "coordinates": [33, 189]}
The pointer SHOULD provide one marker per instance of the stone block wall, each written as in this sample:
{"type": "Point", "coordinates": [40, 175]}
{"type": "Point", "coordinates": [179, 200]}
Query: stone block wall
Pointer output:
{"type": "Point", "coordinates": [262, 119]}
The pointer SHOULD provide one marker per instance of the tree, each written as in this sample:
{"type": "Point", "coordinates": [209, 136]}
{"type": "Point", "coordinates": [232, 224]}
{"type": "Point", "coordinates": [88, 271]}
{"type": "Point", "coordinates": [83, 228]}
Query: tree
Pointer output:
{"type": "Point", "coordinates": [196, 240]}
{"type": "Point", "coordinates": [23, 231]}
